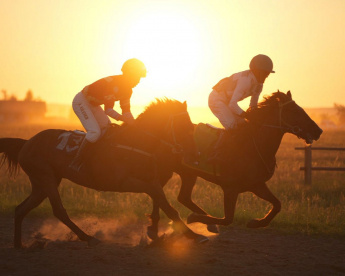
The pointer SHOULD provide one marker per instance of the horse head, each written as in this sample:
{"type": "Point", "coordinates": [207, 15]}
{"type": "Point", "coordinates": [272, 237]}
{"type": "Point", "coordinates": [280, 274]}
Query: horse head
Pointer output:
{"type": "Point", "coordinates": [280, 111]}
{"type": "Point", "coordinates": [169, 121]}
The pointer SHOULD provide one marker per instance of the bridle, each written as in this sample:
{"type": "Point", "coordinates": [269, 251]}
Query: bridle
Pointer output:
{"type": "Point", "coordinates": [283, 125]}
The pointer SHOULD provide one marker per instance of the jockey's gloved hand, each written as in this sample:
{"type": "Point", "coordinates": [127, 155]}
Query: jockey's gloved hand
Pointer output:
{"type": "Point", "coordinates": [128, 118]}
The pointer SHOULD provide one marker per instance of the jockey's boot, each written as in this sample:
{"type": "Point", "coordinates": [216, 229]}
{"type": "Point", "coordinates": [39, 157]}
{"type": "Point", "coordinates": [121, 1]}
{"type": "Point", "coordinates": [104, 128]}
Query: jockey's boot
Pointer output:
{"type": "Point", "coordinates": [219, 148]}
{"type": "Point", "coordinates": [77, 162]}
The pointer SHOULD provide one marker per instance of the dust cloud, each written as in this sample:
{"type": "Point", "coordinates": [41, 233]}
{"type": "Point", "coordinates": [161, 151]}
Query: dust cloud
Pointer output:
{"type": "Point", "coordinates": [130, 232]}
{"type": "Point", "coordinates": [123, 231]}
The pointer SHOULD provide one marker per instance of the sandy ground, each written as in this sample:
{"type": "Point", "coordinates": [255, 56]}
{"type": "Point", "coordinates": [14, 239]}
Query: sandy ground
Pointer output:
{"type": "Point", "coordinates": [53, 250]}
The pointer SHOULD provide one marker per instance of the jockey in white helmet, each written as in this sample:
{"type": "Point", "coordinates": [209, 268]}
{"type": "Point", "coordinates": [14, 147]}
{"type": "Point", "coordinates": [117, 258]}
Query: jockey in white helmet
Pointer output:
{"type": "Point", "coordinates": [224, 98]}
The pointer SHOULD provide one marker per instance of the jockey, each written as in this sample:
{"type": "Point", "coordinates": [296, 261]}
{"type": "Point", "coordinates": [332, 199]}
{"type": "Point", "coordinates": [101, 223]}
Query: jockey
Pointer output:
{"type": "Point", "coordinates": [224, 98]}
{"type": "Point", "coordinates": [86, 104]}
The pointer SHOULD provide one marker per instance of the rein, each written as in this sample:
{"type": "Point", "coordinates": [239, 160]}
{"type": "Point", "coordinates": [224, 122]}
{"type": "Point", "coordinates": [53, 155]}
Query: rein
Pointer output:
{"type": "Point", "coordinates": [262, 159]}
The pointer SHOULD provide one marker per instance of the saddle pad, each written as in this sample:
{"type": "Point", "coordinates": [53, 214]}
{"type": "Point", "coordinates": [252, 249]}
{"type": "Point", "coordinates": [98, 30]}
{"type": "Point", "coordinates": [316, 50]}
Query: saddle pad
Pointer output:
{"type": "Point", "coordinates": [70, 141]}
{"type": "Point", "coordinates": [205, 137]}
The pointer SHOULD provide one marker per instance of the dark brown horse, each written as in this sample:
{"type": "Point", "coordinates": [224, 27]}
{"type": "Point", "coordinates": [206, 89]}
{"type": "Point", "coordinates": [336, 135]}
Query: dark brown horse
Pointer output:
{"type": "Point", "coordinates": [249, 161]}
{"type": "Point", "coordinates": [127, 159]}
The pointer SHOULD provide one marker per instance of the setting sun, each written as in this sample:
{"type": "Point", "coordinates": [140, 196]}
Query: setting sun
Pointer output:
{"type": "Point", "coordinates": [171, 47]}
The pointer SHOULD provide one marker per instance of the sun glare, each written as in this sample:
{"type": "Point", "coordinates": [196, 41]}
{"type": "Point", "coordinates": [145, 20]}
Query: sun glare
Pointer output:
{"type": "Point", "coordinates": [170, 46]}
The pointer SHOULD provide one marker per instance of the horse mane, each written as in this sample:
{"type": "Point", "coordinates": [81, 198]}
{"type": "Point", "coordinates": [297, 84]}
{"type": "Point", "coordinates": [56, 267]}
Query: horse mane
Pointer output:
{"type": "Point", "coordinates": [162, 107]}
{"type": "Point", "coordinates": [269, 102]}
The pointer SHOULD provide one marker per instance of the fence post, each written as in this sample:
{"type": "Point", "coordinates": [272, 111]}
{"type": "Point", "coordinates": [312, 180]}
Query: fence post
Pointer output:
{"type": "Point", "coordinates": [307, 165]}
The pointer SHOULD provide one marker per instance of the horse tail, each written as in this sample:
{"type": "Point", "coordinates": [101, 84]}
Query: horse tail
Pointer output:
{"type": "Point", "coordinates": [10, 147]}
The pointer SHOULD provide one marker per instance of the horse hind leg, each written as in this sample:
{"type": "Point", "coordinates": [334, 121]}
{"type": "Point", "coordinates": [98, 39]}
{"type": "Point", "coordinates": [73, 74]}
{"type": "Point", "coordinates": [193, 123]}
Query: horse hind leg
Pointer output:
{"type": "Point", "coordinates": [35, 199]}
{"type": "Point", "coordinates": [60, 212]}
{"type": "Point", "coordinates": [152, 230]}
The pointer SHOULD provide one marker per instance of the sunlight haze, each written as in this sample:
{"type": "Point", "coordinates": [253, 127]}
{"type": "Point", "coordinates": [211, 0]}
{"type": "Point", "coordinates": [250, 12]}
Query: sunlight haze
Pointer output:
{"type": "Point", "coordinates": [55, 48]}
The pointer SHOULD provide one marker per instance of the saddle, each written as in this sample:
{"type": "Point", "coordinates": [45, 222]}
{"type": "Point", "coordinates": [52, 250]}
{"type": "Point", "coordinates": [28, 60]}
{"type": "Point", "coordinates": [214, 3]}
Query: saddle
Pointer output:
{"type": "Point", "coordinates": [70, 141]}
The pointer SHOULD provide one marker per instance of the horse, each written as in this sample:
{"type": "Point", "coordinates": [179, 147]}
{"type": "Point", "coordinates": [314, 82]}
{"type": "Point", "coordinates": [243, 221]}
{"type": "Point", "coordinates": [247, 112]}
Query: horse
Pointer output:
{"type": "Point", "coordinates": [248, 161]}
{"type": "Point", "coordinates": [128, 158]}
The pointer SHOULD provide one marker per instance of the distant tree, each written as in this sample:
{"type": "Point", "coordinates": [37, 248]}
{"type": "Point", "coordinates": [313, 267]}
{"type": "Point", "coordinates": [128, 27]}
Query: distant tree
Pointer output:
{"type": "Point", "coordinates": [4, 93]}
{"type": "Point", "coordinates": [325, 117]}
{"type": "Point", "coordinates": [29, 96]}
{"type": "Point", "coordinates": [13, 98]}
{"type": "Point", "coordinates": [340, 112]}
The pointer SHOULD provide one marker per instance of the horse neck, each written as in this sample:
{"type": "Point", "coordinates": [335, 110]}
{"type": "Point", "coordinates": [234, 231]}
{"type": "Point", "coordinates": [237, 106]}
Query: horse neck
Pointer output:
{"type": "Point", "coordinates": [268, 140]}
{"type": "Point", "coordinates": [149, 132]}
{"type": "Point", "coordinates": [267, 134]}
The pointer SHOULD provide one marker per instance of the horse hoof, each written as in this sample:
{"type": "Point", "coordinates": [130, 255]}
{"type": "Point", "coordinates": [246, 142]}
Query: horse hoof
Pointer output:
{"type": "Point", "coordinates": [213, 228]}
{"type": "Point", "coordinates": [152, 234]}
{"type": "Point", "coordinates": [201, 239]}
{"type": "Point", "coordinates": [93, 242]}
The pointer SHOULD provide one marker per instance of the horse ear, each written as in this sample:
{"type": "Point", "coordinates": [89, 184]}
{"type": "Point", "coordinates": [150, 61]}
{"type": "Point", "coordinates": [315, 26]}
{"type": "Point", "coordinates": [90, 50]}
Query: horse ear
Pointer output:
{"type": "Point", "coordinates": [289, 94]}
{"type": "Point", "coordinates": [185, 104]}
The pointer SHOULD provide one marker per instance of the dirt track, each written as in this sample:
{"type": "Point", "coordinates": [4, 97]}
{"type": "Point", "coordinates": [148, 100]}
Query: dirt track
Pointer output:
{"type": "Point", "coordinates": [236, 251]}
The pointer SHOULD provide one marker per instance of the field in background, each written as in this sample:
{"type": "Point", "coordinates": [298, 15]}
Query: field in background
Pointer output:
{"type": "Point", "coordinates": [315, 210]}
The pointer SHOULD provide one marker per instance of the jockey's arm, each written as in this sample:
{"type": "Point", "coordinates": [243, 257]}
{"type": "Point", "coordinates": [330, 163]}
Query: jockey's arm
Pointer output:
{"type": "Point", "coordinates": [127, 115]}
{"type": "Point", "coordinates": [109, 110]}
{"type": "Point", "coordinates": [255, 98]}
{"type": "Point", "coordinates": [237, 96]}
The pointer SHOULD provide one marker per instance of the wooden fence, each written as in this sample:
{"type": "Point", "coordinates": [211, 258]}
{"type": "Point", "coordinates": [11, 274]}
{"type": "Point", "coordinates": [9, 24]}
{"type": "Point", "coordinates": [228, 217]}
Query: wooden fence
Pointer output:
{"type": "Point", "coordinates": [308, 162]}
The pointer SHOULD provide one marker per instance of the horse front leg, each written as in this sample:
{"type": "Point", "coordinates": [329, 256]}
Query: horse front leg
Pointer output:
{"type": "Point", "coordinates": [230, 199]}
{"type": "Point", "coordinates": [263, 192]}
{"type": "Point", "coordinates": [185, 197]}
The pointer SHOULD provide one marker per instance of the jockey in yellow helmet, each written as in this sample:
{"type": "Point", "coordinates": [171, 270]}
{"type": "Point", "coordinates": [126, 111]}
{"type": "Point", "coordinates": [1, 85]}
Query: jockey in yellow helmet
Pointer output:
{"type": "Point", "coordinates": [106, 91]}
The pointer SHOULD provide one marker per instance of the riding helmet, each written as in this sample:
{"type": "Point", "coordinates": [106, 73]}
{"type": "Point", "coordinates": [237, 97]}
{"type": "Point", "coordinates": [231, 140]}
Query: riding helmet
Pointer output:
{"type": "Point", "coordinates": [261, 62]}
{"type": "Point", "coordinates": [135, 67]}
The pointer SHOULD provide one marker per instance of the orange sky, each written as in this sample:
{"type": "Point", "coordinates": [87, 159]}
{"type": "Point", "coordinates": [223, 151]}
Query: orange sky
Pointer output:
{"type": "Point", "coordinates": [56, 48]}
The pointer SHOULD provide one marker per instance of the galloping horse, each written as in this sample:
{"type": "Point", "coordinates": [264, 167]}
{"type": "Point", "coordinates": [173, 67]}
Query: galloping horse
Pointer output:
{"type": "Point", "coordinates": [127, 159]}
{"type": "Point", "coordinates": [249, 161]}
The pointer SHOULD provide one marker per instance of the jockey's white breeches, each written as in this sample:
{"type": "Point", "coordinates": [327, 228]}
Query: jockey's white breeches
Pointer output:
{"type": "Point", "coordinates": [219, 107]}
{"type": "Point", "coordinates": [93, 118]}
